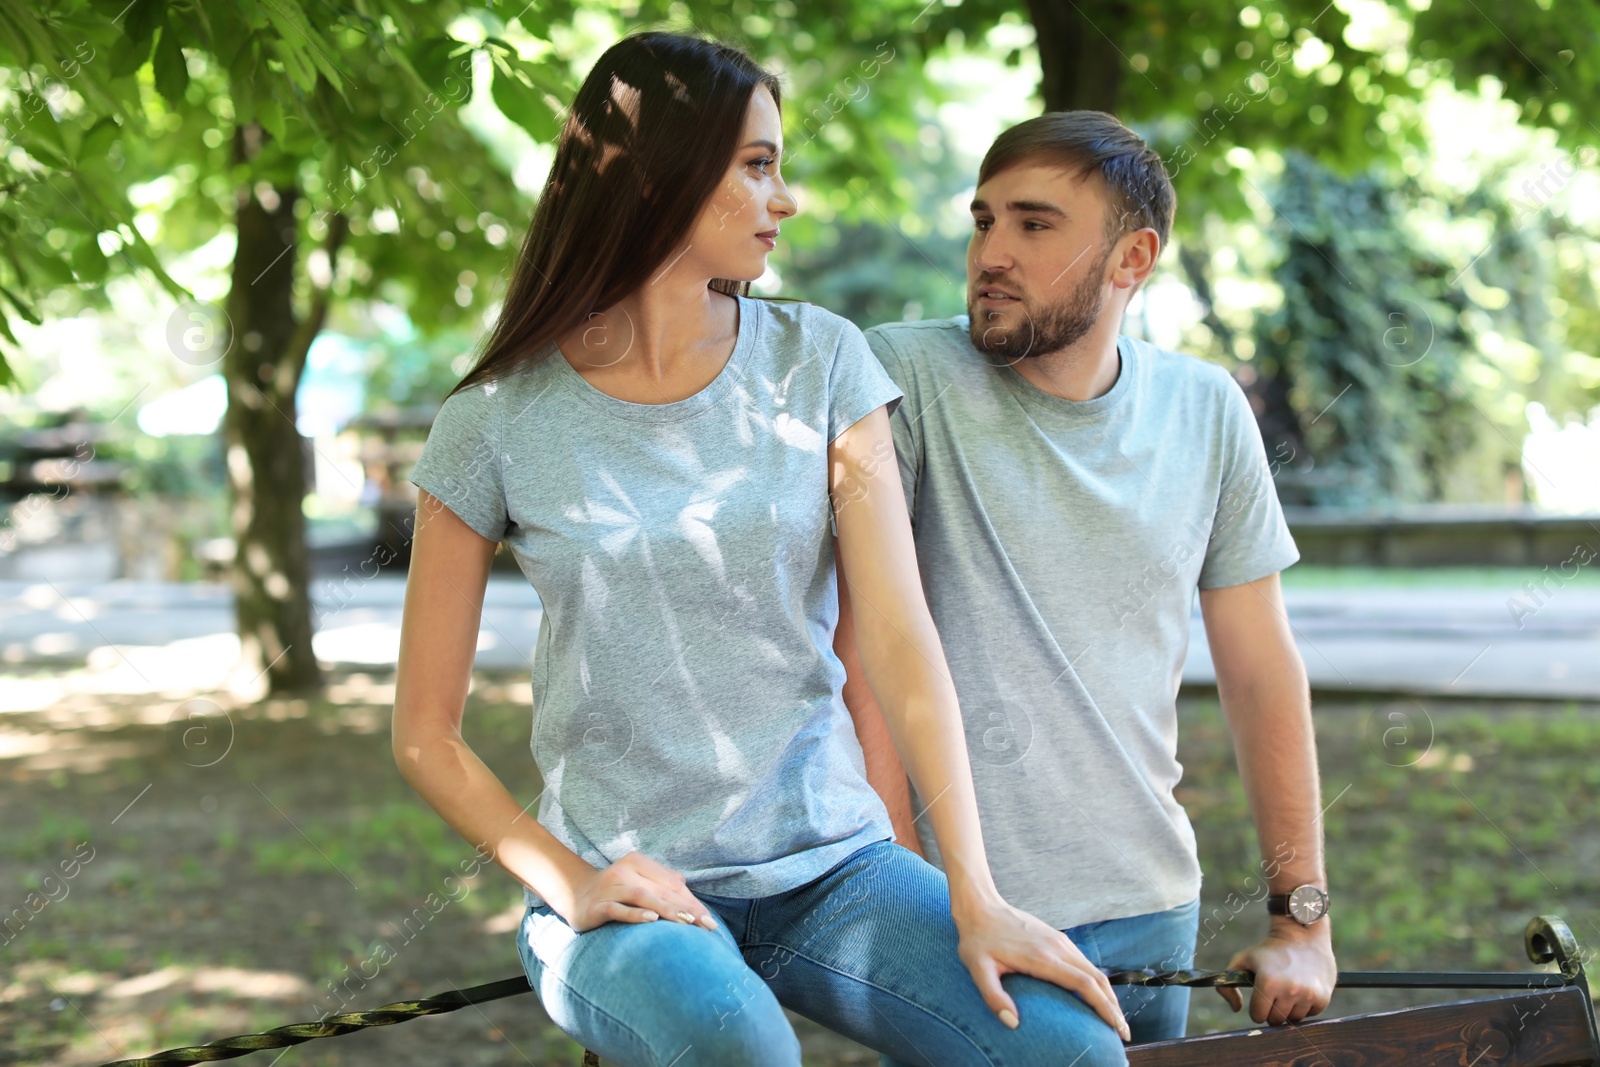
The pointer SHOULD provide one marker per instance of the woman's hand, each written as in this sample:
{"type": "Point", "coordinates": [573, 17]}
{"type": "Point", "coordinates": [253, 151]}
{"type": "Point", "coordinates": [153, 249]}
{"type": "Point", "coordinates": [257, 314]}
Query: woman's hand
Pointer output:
{"type": "Point", "coordinates": [998, 939]}
{"type": "Point", "coordinates": [635, 889]}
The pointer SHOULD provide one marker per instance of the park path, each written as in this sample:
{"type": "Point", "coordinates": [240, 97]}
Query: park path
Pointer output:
{"type": "Point", "coordinates": [154, 636]}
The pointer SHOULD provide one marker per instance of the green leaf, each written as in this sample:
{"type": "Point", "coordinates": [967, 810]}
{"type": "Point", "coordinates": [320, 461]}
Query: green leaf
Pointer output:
{"type": "Point", "coordinates": [14, 44]}
{"type": "Point", "coordinates": [23, 309]}
{"type": "Point", "coordinates": [524, 106]}
{"type": "Point", "coordinates": [297, 38]}
{"type": "Point", "coordinates": [296, 64]}
{"type": "Point", "coordinates": [24, 36]}
{"type": "Point", "coordinates": [96, 143]}
{"type": "Point", "coordinates": [245, 82]}
{"type": "Point", "coordinates": [88, 262]}
{"type": "Point", "coordinates": [270, 114]}
{"type": "Point", "coordinates": [39, 133]}
{"type": "Point", "coordinates": [172, 73]}
{"type": "Point", "coordinates": [230, 33]}
{"type": "Point", "coordinates": [128, 55]}
{"type": "Point", "coordinates": [53, 267]}
{"type": "Point", "coordinates": [142, 19]}
{"type": "Point", "coordinates": [432, 60]}
{"type": "Point", "coordinates": [550, 79]}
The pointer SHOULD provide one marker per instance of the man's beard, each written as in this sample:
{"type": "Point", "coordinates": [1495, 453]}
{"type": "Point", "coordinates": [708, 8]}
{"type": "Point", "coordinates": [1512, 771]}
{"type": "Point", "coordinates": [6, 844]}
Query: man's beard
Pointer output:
{"type": "Point", "coordinates": [1049, 329]}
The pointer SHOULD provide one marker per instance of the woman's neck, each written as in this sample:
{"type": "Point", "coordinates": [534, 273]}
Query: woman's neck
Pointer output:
{"type": "Point", "coordinates": [664, 327]}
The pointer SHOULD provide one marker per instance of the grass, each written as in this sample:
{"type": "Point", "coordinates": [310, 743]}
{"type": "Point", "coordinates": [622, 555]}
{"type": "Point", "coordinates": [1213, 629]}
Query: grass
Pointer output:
{"type": "Point", "coordinates": [1502, 579]}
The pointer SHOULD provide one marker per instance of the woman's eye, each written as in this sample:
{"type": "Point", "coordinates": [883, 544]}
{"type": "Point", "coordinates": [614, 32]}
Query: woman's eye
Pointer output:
{"type": "Point", "coordinates": [981, 224]}
{"type": "Point", "coordinates": [763, 163]}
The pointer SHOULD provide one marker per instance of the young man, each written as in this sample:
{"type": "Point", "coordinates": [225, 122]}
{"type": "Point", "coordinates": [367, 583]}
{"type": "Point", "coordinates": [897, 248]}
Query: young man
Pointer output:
{"type": "Point", "coordinates": [1069, 491]}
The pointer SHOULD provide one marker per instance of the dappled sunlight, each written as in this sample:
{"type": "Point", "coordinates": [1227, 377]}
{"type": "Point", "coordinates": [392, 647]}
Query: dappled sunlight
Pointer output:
{"type": "Point", "coordinates": [507, 921]}
{"type": "Point", "coordinates": [375, 643]}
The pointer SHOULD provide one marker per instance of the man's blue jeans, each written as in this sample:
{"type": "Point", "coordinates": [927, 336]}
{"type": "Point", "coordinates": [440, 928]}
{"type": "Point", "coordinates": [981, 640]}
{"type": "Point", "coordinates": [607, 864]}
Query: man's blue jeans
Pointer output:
{"type": "Point", "coordinates": [868, 950]}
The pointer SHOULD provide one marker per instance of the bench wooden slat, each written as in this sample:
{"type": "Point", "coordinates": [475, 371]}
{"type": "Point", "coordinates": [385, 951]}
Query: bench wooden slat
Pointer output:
{"type": "Point", "coordinates": [1545, 1029]}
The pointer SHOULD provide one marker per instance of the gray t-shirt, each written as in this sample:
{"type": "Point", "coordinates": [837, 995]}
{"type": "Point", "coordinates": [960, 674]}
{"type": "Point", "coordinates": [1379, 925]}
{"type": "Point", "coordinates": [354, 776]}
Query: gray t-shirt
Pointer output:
{"type": "Point", "coordinates": [686, 693]}
{"type": "Point", "coordinates": [1060, 545]}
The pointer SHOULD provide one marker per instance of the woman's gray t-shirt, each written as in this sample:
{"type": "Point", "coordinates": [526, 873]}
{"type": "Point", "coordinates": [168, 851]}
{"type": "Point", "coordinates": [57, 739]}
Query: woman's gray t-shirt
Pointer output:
{"type": "Point", "coordinates": [686, 694]}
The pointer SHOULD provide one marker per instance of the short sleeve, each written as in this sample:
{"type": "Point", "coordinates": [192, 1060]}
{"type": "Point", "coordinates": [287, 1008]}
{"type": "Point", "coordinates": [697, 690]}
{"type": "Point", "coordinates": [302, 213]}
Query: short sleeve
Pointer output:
{"type": "Point", "coordinates": [906, 426]}
{"type": "Point", "coordinates": [857, 382]}
{"type": "Point", "coordinates": [1249, 537]}
{"type": "Point", "coordinates": [460, 462]}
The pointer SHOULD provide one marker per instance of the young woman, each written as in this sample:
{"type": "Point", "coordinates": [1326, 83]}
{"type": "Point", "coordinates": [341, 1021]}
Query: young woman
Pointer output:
{"type": "Point", "coordinates": [660, 452]}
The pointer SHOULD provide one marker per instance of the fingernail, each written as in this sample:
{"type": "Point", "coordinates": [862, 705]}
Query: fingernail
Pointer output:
{"type": "Point", "coordinates": [649, 915]}
{"type": "Point", "coordinates": [686, 917]}
{"type": "Point", "coordinates": [1008, 1017]}
{"type": "Point", "coordinates": [711, 924]}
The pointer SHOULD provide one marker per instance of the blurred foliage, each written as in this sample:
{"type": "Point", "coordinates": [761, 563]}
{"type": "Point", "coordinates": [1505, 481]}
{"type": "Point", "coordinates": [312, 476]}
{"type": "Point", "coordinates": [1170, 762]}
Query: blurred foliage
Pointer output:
{"type": "Point", "coordinates": [178, 466]}
{"type": "Point", "coordinates": [1361, 367]}
{"type": "Point", "coordinates": [127, 115]}
{"type": "Point", "coordinates": [873, 270]}
{"type": "Point", "coordinates": [121, 121]}
{"type": "Point", "coordinates": [415, 372]}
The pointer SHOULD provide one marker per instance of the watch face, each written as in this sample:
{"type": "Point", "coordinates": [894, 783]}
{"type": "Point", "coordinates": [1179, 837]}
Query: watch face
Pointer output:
{"type": "Point", "coordinates": [1307, 904]}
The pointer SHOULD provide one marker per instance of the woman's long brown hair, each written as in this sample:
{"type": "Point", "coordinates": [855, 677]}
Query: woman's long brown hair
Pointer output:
{"type": "Point", "coordinates": [649, 137]}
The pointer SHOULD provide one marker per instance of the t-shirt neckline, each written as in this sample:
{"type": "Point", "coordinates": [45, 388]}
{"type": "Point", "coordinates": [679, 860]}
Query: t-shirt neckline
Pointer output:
{"type": "Point", "coordinates": [1037, 399]}
{"type": "Point", "coordinates": [709, 396]}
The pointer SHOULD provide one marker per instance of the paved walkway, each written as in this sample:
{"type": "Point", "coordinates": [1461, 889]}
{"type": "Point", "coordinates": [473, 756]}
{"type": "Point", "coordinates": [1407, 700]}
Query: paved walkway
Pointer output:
{"type": "Point", "coordinates": [1465, 642]}
{"type": "Point", "coordinates": [145, 636]}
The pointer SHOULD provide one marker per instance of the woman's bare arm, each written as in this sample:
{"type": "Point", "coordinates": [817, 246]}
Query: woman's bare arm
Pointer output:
{"type": "Point", "coordinates": [438, 636]}
{"type": "Point", "coordinates": [885, 773]}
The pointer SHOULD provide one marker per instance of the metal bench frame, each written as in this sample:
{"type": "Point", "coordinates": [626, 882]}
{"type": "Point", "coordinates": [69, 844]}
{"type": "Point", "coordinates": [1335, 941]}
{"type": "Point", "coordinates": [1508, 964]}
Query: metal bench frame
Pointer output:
{"type": "Point", "coordinates": [1546, 1020]}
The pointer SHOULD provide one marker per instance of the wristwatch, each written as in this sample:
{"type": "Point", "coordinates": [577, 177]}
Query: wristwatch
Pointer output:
{"type": "Point", "coordinates": [1304, 904]}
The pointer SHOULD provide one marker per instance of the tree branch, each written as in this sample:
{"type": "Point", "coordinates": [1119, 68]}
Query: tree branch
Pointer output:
{"type": "Point", "coordinates": [294, 359]}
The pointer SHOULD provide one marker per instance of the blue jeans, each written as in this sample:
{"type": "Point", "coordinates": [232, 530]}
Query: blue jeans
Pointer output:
{"type": "Point", "coordinates": [868, 950]}
{"type": "Point", "coordinates": [1163, 940]}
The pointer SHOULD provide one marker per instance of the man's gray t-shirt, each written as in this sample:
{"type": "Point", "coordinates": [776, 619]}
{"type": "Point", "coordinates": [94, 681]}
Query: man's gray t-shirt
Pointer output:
{"type": "Point", "coordinates": [686, 694]}
{"type": "Point", "coordinates": [1060, 544]}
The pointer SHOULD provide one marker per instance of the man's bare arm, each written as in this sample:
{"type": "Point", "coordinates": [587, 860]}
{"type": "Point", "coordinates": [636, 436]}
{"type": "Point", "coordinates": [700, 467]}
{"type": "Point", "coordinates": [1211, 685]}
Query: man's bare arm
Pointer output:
{"type": "Point", "coordinates": [885, 772]}
{"type": "Point", "coordinates": [1267, 702]}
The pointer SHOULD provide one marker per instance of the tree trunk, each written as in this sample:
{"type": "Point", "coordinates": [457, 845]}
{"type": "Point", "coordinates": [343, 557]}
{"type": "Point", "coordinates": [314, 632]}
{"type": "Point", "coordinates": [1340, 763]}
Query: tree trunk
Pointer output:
{"type": "Point", "coordinates": [266, 456]}
{"type": "Point", "coordinates": [1080, 66]}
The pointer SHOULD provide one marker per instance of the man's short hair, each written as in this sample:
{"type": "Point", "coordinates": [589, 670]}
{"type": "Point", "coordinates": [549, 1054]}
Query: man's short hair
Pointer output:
{"type": "Point", "coordinates": [1083, 141]}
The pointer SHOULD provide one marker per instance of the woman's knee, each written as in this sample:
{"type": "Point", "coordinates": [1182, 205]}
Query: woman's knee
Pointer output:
{"type": "Point", "coordinates": [758, 1033]}
{"type": "Point", "coordinates": [1058, 1029]}
{"type": "Point", "coordinates": [655, 994]}
{"type": "Point", "coordinates": [1085, 1046]}
{"type": "Point", "coordinates": [1097, 1048]}
{"type": "Point", "coordinates": [693, 1025]}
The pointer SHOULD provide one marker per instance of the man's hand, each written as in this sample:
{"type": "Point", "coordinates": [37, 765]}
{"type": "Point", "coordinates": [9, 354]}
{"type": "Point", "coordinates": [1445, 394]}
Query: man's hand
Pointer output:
{"type": "Point", "coordinates": [1295, 972]}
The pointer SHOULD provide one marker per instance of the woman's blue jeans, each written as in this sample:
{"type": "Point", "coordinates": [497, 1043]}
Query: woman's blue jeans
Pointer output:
{"type": "Point", "coordinates": [868, 950]}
